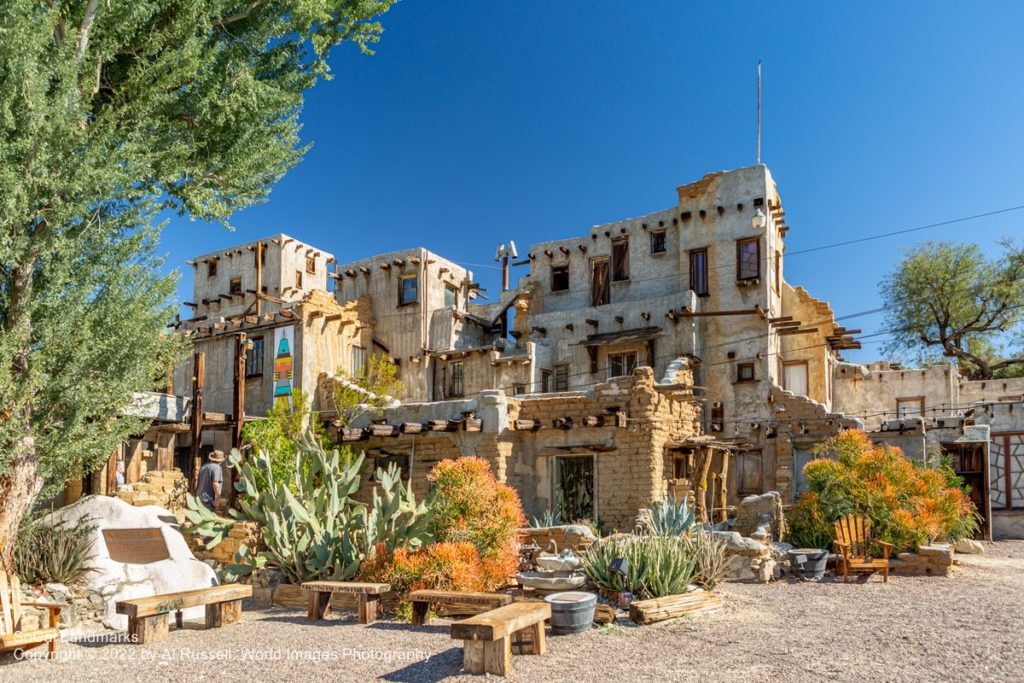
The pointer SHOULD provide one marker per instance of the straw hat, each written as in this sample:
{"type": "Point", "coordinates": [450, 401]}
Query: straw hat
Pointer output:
{"type": "Point", "coordinates": [216, 456]}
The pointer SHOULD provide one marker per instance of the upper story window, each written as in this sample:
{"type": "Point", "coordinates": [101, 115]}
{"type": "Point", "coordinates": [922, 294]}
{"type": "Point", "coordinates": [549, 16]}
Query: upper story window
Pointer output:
{"type": "Point", "coordinates": [298, 279]}
{"type": "Point", "coordinates": [599, 291]}
{"type": "Point", "coordinates": [745, 372]}
{"type": "Point", "coordinates": [559, 278]}
{"type": "Point", "coordinates": [699, 272]}
{"type": "Point", "coordinates": [910, 407]}
{"type": "Point", "coordinates": [621, 364]}
{"type": "Point", "coordinates": [561, 378]}
{"type": "Point", "coordinates": [748, 259]}
{"type": "Point", "coordinates": [254, 358]}
{"type": "Point", "coordinates": [311, 264]}
{"type": "Point", "coordinates": [659, 243]}
{"type": "Point", "coordinates": [408, 286]}
{"type": "Point", "coordinates": [235, 286]}
{"type": "Point", "coordinates": [451, 296]}
{"type": "Point", "coordinates": [778, 271]}
{"type": "Point", "coordinates": [358, 361]}
{"type": "Point", "coordinates": [211, 268]}
{"type": "Point", "coordinates": [456, 387]}
{"type": "Point", "coordinates": [545, 381]}
{"type": "Point", "coordinates": [620, 259]}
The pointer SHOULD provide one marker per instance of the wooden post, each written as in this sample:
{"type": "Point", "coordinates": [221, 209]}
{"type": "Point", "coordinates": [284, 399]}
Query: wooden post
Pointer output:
{"type": "Point", "coordinates": [196, 422]}
{"type": "Point", "coordinates": [700, 483]}
{"type": "Point", "coordinates": [259, 279]}
{"type": "Point", "coordinates": [723, 501]}
{"type": "Point", "coordinates": [238, 405]}
{"type": "Point", "coordinates": [222, 614]}
{"type": "Point", "coordinates": [112, 471]}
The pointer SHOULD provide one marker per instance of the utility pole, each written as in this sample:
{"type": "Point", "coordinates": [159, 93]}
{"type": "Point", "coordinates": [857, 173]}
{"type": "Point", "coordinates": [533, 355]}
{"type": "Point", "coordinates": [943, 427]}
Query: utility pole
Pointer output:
{"type": "Point", "coordinates": [759, 111]}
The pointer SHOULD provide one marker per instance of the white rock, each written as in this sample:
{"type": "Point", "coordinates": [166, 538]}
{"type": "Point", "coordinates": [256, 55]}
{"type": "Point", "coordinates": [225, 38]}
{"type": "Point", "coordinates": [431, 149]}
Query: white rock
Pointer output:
{"type": "Point", "coordinates": [738, 545]}
{"type": "Point", "coordinates": [969, 546]}
{"type": "Point", "coordinates": [122, 581]}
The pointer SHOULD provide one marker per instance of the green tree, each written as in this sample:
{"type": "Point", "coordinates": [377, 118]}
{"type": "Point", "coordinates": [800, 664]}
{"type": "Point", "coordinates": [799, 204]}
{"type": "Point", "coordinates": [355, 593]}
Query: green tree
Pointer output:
{"type": "Point", "coordinates": [948, 299]}
{"type": "Point", "coordinates": [110, 113]}
{"type": "Point", "coordinates": [369, 392]}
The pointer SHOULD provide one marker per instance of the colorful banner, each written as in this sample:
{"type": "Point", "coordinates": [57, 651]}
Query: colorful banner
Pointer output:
{"type": "Point", "coordinates": [284, 340]}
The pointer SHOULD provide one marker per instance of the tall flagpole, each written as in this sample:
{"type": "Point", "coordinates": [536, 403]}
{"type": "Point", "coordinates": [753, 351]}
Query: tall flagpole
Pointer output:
{"type": "Point", "coordinates": [759, 111]}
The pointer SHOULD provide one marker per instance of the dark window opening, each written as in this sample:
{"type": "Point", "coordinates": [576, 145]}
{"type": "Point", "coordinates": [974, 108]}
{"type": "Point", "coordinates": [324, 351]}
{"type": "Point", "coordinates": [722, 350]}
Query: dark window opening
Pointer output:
{"type": "Point", "coordinates": [748, 473]}
{"type": "Point", "coordinates": [254, 358]}
{"type": "Point", "coordinates": [310, 264]}
{"type": "Point", "coordinates": [298, 279]}
{"type": "Point", "coordinates": [620, 259]}
{"type": "Point", "coordinates": [384, 459]}
{"type": "Point", "coordinates": [562, 378]}
{"type": "Point", "coordinates": [621, 364]}
{"type": "Point", "coordinates": [699, 272]}
{"type": "Point", "coordinates": [559, 278]}
{"type": "Point", "coordinates": [545, 381]}
{"type": "Point", "coordinates": [211, 269]}
{"type": "Point", "coordinates": [407, 289]}
{"type": "Point", "coordinates": [659, 243]}
{"type": "Point", "coordinates": [451, 296]}
{"type": "Point", "coordinates": [600, 294]}
{"type": "Point", "coordinates": [717, 416]}
{"type": "Point", "coordinates": [748, 259]}
{"type": "Point", "coordinates": [235, 286]}
{"type": "Point", "coordinates": [456, 385]}
{"type": "Point", "coordinates": [574, 488]}
{"type": "Point", "coordinates": [744, 372]}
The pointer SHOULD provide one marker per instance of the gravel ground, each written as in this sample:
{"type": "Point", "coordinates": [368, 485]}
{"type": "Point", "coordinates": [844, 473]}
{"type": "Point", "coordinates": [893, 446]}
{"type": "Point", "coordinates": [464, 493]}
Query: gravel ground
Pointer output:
{"type": "Point", "coordinates": [969, 627]}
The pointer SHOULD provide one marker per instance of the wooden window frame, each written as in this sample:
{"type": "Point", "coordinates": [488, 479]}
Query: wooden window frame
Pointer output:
{"type": "Point", "coordinates": [451, 289]}
{"type": "Point", "coordinates": [254, 358]}
{"type": "Point", "coordinates": [545, 381]}
{"type": "Point", "coordinates": [311, 265]}
{"type": "Point", "coordinates": [401, 289]}
{"type": "Point", "coordinates": [211, 268]}
{"type": "Point", "coordinates": [659, 238]}
{"type": "Point", "coordinates": [745, 491]}
{"type": "Point", "coordinates": [562, 268]}
{"type": "Point", "coordinates": [740, 277]}
{"type": "Point", "coordinates": [619, 259]}
{"type": "Point", "coordinates": [607, 291]}
{"type": "Point", "coordinates": [561, 377]}
{"type": "Point", "coordinates": [298, 279]}
{"type": "Point", "coordinates": [456, 386]}
{"type": "Point", "coordinates": [910, 399]}
{"type": "Point", "coordinates": [778, 271]}
{"type": "Point", "coordinates": [740, 367]}
{"type": "Point", "coordinates": [703, 251]}
{"type": "Point", "coordinates": [235, 285]}
{"type": "Point", "coordinates": [623, 355]}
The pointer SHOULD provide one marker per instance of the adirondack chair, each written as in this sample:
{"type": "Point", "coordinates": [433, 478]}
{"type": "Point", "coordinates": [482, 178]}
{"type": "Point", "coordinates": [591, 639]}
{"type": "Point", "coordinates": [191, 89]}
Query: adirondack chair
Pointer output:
{"type": "Point", "coordinates": [11, 637]}
{"type": "Point", "coordinates": [853, 548]}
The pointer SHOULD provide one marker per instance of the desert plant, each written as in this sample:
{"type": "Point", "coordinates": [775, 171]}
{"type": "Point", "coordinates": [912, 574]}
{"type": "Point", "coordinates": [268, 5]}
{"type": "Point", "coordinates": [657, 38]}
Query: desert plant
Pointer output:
{"type": "Point", "coordinates": [547, 519]}
{"type": "Point", "coordinates": [656, 565]}
{"type": "Point", "coordinates": [45, 553]}
{"type": "Point", "coordinates": [278, 435]}
{"type": "Point", "coordinates": [909, 503]}
{"type": "Point", "coordinates": [711, 559]}
{"type": "Point", "coordinates": [665, 518]}
{"type": "Point", "coordinates": [205, 522]}
{"type": "Point", "coordinates": [395, 520]}
{"type": "Point", "coordinates": [468, 504]}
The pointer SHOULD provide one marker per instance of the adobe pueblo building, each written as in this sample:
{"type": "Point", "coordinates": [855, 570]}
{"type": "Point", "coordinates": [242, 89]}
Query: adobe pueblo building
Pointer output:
{"type": "Point", "coordinates": [664, 354]}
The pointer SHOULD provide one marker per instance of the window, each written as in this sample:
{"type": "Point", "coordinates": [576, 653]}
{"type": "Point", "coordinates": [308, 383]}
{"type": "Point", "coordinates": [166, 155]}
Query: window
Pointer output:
{"type": "Point", "coordinates": [621, 364]}
{"type": "Point", "coordinates": [298, 279]}
{"type": "Point", "coordinates": [620, 259]}
{"type": "Point", "coordinates": [211, 268]}
{"type": "Point", "coordinates": [699, 272]}
{"type": "Point", "coordinates": [748, 259]}
{"type": "Point", "coordinates": [778, 271]}
{"type": "Point", "coordinates": [254, 358]}
{"type": "Point", "coordinates": [659, 245]}
{"type": "Point", "coordinates": [384, 459]}
{"type": "Point", "coordinates": [717, 416]}
{"type": "Point", "coordinates": [455, 386]}
{"type": "Point", "coordinates": [599, 291]}
{"type": "Point", "coordinates": [748, 473]}
{"type": "Point", "coordinates": [451, 296]}
{"type": "Point", "coordinates": [745, 372]}
{"type": "Point", "coordinates": [311, 265]}
{"type": "Point", "coordinates": [910, 407]}
{"type": "Point", "coordinates": [358, 361]}
{"type": "Point", "coordinates": [407, 286]}
{"type": "Point", "coordinates": [574, 483]}
{"type": "Point", "coordinates": [562, 378]}
{"type": "Point", "coordinates": [545, 381]}
{"type": "Point", "coordinates": [518, 389]}
{"type": "Point", "coordinates": [235, 286]}
{"type": "Point", "coordinates": [560, 278]}
{"type": "Point", "coordinates": [794, 377]}
{"type": "Point", "coordinates": [801, 456]}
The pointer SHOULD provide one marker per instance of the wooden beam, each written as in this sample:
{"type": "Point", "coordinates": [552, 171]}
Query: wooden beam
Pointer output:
{"type": "Point", "coordinates": [198, 379]}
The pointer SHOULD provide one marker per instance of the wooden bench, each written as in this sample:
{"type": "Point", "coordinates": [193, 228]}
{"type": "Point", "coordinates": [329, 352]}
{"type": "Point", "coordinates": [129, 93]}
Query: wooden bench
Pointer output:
{"type": "Point", "coordinates": [320, 593]}
{"type": "Point", "coordinates": [487, 646]}
{"type": "Point", "coordinates": [422, 600]}
{"type": "Point", "coordinates": [147, 617]}
{"type": "Point", "coordinates": [12, 637]}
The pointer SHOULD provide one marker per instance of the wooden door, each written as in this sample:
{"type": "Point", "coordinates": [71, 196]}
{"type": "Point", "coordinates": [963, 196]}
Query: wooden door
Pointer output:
{"type": "Point", "coordinates": [599, 283]}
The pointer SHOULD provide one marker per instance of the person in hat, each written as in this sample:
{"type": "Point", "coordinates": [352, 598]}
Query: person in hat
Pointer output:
{"type": "Point", "coordinates": [211, 478]}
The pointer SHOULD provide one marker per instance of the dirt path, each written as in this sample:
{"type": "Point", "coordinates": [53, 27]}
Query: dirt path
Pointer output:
{"type": "Point", "coordinates": [966, 628]}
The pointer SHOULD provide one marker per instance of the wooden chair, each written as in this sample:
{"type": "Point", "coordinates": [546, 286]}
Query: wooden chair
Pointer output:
{"type": "Point", "coordinates": [853, 548]}
{"type": "Point", "coordinates": [12, 638]}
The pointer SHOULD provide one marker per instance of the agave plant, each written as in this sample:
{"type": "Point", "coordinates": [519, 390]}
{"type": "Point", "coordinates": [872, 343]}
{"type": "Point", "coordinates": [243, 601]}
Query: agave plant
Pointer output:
{"type": "Point", "coordinates": [666, 518]}
{"type": "Point", "coordinates": [656, 566]}
{"type": "Point", "coordinates": [547, 519]}
{"type": "Point", "coordinates": [53, 554]}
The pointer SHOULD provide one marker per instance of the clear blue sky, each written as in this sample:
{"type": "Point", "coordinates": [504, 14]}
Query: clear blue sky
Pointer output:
{"type": "Point", "coordinates": [479, 122]}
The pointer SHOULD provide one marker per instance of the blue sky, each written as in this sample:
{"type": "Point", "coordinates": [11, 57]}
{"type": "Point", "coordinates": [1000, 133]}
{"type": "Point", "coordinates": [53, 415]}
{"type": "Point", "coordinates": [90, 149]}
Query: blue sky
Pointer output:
{"type": "Point", "coordinates": [480, 122]}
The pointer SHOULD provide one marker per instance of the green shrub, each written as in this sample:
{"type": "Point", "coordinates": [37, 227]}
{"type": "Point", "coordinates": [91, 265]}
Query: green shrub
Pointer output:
{"type": "Point", "coordinates": [665, 518]}
{"type": "Point", "coordinates": [656, 565]}
{"type": "Point", "coordinates": [548, 519]}
{"type": "Point", "coordinates": [711, 559]}
{"type": "Point", "coordinates": [53, 554]}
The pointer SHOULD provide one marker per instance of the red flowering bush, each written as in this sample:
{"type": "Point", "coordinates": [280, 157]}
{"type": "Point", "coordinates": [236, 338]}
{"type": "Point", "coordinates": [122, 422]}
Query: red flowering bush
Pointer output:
{"type": "Point", "coordinates": [909, 503]}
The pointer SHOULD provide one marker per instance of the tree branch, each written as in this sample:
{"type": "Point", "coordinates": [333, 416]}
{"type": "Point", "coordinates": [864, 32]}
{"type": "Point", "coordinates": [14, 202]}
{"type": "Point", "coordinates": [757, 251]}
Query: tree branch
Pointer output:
{"type": "Point", "coordinates": [83, 30]}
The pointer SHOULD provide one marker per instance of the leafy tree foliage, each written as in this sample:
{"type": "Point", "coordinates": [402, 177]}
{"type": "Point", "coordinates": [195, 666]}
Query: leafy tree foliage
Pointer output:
{"type": "Point", "coordinates": [950, 300]}
{"type": "Point", "coordinates": [368, 392]}
{"type": "Point", "coordinates": [111, 112]}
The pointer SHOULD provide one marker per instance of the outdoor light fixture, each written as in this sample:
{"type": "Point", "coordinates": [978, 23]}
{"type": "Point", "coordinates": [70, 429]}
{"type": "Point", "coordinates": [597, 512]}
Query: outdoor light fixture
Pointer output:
{"type": "Point", "coordinates": [759, 220]}
{"type": "Point", "coordinates": [619, 566]}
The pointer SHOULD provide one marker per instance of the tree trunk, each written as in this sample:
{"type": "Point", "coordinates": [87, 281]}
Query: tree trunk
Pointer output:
{"type": "Point", "coordinates": [18, 488]}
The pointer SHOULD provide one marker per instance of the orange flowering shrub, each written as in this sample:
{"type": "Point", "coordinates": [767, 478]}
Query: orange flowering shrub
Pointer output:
{"type": "Point", "coordinates": [469, 505]}
{"type": "Point", "coordinates": [909, 503]}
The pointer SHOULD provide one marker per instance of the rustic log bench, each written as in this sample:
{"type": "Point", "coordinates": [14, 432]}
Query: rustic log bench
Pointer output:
{"type": "Point", "coordinates": [487, 646]}
{"type": "Point", "coordinates": [320, 593]}
{"type": "Point", "coordinates": [422, 600]}
{"type": "Point", "coordinates": [147, 617]}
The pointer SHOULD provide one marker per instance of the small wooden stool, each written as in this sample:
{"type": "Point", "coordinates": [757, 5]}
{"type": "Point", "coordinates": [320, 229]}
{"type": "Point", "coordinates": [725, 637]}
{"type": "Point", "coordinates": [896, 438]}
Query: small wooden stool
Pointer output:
{"type": "Point", "coordinates": [320, 593]}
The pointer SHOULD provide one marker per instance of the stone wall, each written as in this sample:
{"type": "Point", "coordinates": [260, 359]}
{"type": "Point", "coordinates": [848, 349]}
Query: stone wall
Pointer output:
{"type": "Point", "coordinates": [166, 489]}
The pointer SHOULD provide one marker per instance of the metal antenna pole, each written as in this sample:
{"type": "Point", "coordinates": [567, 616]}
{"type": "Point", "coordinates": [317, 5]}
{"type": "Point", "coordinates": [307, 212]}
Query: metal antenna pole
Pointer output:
{"type": "Point", "coordinates": [759, 111]}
